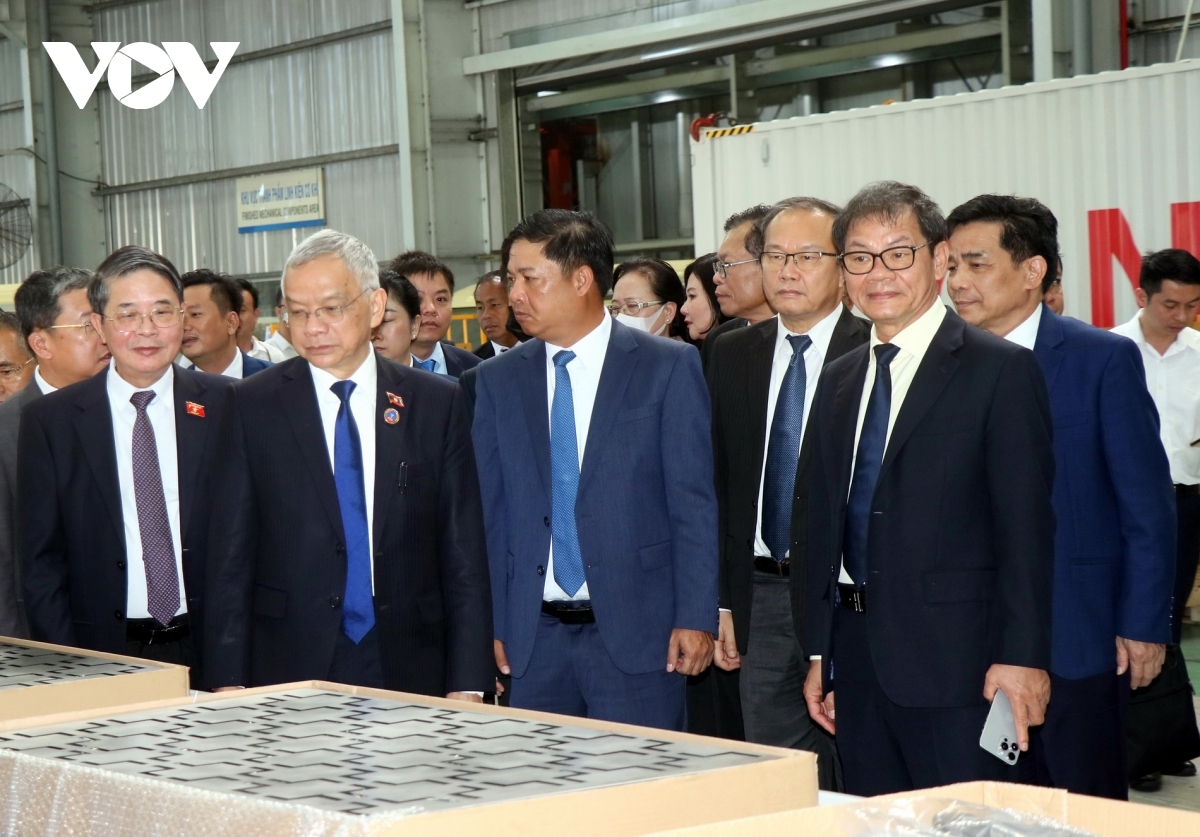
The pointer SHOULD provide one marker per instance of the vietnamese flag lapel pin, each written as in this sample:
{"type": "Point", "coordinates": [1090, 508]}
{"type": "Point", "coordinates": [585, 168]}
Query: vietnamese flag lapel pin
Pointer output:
{"type": "Point", "coordinates": [194, 409]}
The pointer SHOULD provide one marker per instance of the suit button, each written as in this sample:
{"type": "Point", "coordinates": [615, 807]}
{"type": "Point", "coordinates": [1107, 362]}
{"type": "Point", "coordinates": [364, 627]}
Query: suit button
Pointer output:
{"type": "Point", "coordinates": [120, 565]}
{"type": "Point", "coordinates": [335, 601]}
{"type": "Point", "coordinates": [339, 549]}
{"type": "Point", "coordinates": [546, 520]}
{"type": "Point", "coordinates": [118, 614]}
{"type": "Point", "coordinates": [541, 570]}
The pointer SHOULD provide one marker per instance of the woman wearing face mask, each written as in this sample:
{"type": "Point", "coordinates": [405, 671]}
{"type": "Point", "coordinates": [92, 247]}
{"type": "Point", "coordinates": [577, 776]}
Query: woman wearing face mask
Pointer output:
{"type": "Point", "coordinates": [647, 296]}
{"type": "Point", "coordinates": [701, 314]}
{"type": "Point", "coordinates": [401, 318]}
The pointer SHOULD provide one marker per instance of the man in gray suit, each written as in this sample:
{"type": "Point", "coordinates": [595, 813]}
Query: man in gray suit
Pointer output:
{"type": "Point", "coordinates": [52, 306]}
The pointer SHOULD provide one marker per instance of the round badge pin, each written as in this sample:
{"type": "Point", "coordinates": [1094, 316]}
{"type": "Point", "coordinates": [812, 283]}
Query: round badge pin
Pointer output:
{"type": "Point", "coordinates": [391, 415]}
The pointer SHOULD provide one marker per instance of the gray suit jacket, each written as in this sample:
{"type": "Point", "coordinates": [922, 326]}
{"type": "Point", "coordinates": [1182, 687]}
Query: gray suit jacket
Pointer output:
{"type": "Point", "coordinates": [12, 605]}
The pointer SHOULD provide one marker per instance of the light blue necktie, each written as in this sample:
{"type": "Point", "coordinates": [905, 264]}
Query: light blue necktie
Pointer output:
{"type": "Point", "coordinates": [564, 467]}
{"type": "Point", "coordinates": [783, 451]}
{"type": "Point", "coordinates": [428, 365]}
{"type": "Point", "coordinates": [358, 610]}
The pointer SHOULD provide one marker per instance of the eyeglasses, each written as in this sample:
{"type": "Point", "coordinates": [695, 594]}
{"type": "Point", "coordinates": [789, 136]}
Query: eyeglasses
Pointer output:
{"type": "Point", "coordinates": [806, 261]}
{"type": "Point", "coordinates": [862, 262]}
{"type": "Point", "coordinates": [723, 267]}
{"type": "Point", "coordinates": [328, 314]}
{"type": "Point", "coordinates": [81, 334]}
{"type": "Point", "coordinates": [127, 322]}
{"type": "Point", "coordinates": [631, 309]}
{"type": "Point", "coordinates": [10, 373]}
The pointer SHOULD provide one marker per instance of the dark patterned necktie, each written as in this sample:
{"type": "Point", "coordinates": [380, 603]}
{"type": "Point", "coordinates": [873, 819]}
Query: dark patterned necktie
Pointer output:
{"type": "Point", "coordinates": [783, 451]}
{"type": "Point", "coordinates": [158, 551]}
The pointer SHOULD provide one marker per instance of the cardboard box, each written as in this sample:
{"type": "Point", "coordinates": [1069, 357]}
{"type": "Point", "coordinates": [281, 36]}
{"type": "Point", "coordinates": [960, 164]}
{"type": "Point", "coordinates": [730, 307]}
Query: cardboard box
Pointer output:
{"type": "Point", "coordinates": [1102, 817]}
{"type": "Point", "coordinates": [321, 758]}
{"type": "Point", "coordinates": [37, 679]}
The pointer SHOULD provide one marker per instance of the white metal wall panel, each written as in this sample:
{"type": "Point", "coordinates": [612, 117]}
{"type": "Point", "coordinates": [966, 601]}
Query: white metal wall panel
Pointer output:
{"type": "Point", "coordinates": [16, 167]}
{"type": "Point", "coordinates": [1125, 140]}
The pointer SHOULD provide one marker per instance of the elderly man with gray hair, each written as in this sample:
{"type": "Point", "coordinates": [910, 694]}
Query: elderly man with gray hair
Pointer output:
{"type": "Point", "coordinates": [347, 545]}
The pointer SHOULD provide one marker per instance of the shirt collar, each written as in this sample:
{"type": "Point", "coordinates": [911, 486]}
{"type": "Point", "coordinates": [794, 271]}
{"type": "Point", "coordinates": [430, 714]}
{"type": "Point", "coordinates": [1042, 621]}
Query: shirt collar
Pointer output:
{"type": "Point", "coordinates": [364, 377]}
{"type": "Point", "coordinates": [917, 336]}
{"type": "Point", "coordinates": [43, 387]}
{"type": "Point", "coordinates": [438, 354]}
{"type": "Point", "coordinates": [1189, 338]}
{"type": "Point", "coordinates": [234, 370]}
{"type": "Point", "coordinates": [1026, 333]}
{"type": "Point", "coordinates": [120, 390]}
{"type": "Point", "coordinates": [820, 334]}
{"type": "Point", "coordinates": [590, 349]}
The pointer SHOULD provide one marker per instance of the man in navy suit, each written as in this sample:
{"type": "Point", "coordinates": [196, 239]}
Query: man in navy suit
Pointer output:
{"type": "Point", "coordinates": [595, 463]}
{"type": "Point", "coordinates": [434, 282]}
{"type": "Point", "coordinates": [1113, 497]}
{"type": "Point", "coordinates": [211, 319]}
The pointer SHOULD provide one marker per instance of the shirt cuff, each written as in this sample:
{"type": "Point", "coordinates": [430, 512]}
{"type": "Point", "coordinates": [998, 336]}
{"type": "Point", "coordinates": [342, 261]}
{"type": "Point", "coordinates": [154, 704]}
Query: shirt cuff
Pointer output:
{"type": "Point", "coordinates": [724, 610]}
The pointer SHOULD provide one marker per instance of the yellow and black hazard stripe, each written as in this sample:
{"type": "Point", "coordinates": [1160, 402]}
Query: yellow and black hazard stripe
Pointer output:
{"type": "Point", "coordinates": [716, 133]}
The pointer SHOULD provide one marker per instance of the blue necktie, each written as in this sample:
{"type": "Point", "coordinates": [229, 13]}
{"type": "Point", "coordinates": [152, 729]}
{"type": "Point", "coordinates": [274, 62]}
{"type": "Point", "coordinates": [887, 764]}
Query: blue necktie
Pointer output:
{"type": "Point", "coordinates": [428, 365]}
{"type": "Point", "coordinates": [564, 466]}
{"type": "Point", "coordinates": [358, 610]}
{"type": "Point", "coordinates": [871, 444]}
{"type": "Point", "coordinates": [783, 451]}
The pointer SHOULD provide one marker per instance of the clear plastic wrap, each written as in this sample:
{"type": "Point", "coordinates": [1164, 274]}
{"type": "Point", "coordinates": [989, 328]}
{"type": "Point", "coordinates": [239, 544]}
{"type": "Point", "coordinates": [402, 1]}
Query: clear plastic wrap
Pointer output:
{"type": "Point", "coordinates": [946, 818]}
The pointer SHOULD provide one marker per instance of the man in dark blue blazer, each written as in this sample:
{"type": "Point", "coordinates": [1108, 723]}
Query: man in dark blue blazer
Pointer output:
{"type": "Point", "coordinates": [211, 307]}
{"type": "Point", "coordinates": [1113, 498]}
{"type": "Point", "coordinates": [595, 463]}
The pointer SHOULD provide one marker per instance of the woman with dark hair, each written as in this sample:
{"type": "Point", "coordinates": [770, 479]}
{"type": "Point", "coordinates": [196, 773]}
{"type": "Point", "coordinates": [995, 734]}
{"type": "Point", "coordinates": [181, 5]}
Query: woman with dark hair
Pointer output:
{"type": "Point", "coordinates": [701, 314]}
{"type": "Point", "coordinates": [401, 318]}
{"type": "Point", "coordinates": [647, 295]}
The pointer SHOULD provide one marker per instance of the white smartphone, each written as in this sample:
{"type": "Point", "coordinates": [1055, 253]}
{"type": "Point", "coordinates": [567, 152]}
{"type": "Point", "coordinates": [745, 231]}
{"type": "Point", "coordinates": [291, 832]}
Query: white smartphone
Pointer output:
{"type": "Point", "coordinates": [1000, 730]}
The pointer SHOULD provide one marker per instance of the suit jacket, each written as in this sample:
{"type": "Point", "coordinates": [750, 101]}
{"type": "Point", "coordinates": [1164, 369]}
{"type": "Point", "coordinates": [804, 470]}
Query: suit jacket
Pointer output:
{"type": "Point", "coordinates": [485, 351]}
{"type": "Point", "coordinates": [645, 510]}
{"type": "Point", "coordinates": [250, 365]}
{"type": "Point", "coordinates": [710, 341]}
{"type": "Point", "coordinates": [13, 621]}
{"type": "Point", "coordinates": [457, 360]}
{"type": "Point", "coordinates": [278, 565]}
{"type": "Point", "coordinates": [1114, 550]}
{"type": "Point", "coordinates": [740, 380]}
{"type": "Point", "coordinates": [72, 532]}
{"type": "Point", "coordinates": [961, 542]}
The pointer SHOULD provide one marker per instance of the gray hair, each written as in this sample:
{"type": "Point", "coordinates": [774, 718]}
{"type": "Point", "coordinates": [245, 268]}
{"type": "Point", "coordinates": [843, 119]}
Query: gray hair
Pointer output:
{"type": "Point", "coordinates": [357, 257]}
{"type": "Point", "coordinates": [126, 260]}
{"type": "Point", "coordinates": [758, 233]}
{"type": "Point", "coordinates": [887, 200]}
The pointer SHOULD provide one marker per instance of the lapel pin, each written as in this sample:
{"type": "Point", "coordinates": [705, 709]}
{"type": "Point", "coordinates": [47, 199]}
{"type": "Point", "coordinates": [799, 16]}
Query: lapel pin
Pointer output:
{"type": "Point", "coordinates": [194, 409]}
{"type": "Point", "coordinates": [391, 415]}
{"type": "Point", "coordinates": [395, 400]}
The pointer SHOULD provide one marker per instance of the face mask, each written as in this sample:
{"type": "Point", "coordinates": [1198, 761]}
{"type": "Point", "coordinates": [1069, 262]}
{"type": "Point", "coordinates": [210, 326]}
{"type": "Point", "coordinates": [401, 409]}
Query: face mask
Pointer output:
{"type": "Point", "coordinates": [641, 323]}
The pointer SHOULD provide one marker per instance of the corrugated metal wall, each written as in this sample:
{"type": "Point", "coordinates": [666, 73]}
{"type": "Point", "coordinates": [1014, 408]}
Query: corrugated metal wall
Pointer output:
{"type": "Point", "coordinates": [326, 99]}
{"type": "Point", "coordinates": [16, 167]}
{"type": "Point", "coordinates": [1123, 140]}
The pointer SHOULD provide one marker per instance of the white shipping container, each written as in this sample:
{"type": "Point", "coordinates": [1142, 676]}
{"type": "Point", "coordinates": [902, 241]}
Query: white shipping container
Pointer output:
{"type": "Point", "coordinates": [1116, 156]}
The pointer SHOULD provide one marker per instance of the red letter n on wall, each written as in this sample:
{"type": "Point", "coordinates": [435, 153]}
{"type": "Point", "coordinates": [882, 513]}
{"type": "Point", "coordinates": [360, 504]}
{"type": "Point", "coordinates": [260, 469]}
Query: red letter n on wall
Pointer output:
{"type": "Point", "coordinates": [1109, 237]}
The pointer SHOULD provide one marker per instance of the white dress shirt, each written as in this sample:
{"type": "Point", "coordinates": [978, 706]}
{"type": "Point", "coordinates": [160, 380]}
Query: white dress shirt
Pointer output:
{"type": "Point", "coordinates": [913, 342]}
{"type": "Point", "coordinates": [584, 372]}
{"type": "Point", "coordinates": [1026, 333]}
{"type": "Point", "coordinates": [281, 343]}
{"type": "Point", "coordinates": [1173, 379]}
{"type": "Point", "coordinates": [234, 370]}
{"type": "Point", "coordinates": [362, 409]}
{"type": "Point", "coordinates": [42, 386]}
{"type": "Point", "coordinates": [814, 361]}
{"type": "Point", "coordinates": [265, 351]}
{"type": "Point", "coordinates": [161, 413]}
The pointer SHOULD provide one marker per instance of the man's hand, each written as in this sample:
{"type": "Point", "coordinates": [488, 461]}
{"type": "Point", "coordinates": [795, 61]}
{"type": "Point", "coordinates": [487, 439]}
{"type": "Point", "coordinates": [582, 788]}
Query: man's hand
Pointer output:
{"type": "Point", "coordinates": [1143, 660]}
{"type": "Point", "coordinates": [228, 688]}
{"type": "Point", "coordinates": [466, 697]}
{"type": "Point", "coordinates": [820, 706]}
{"type": "Point", "coordinates": [689, 652]}
{"type": "Point", "coordinates": [501, 657]}
{"type": "Point", "coordinates": [1027, 689]}
{"type": "Point", "coordinates": [725, 653]}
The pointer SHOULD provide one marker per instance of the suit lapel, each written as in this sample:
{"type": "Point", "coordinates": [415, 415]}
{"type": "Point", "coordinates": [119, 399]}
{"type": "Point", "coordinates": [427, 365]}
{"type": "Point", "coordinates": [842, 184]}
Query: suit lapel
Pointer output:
{"type": "Point", "coordinates": [391, 440]}
{"type": "Point", "coordinates": [299, 401]}
{"type": "Point", "coordinates": [935, 371]}
{"type": "Point", "coordinates": [531, 381]}
{"type": "Point", "coordinates": [191, 434]}
{"type": "Point", "coordinates": [1048, 346]}
{"type": "Point", "coordinates": [619, 363]}
{"type": "Point", "coordinates": [847, 335]}
{"type": "Point", "coordinates": [93, 424]}
{"type": "Point", "coordinates": [759, 358]}
{"type": "Point", "coordinates": [846, 401]}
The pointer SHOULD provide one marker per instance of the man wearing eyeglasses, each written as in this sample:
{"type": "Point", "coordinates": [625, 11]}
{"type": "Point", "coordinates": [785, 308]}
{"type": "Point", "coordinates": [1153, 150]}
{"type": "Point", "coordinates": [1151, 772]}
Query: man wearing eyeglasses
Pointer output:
{"type": "Point", "coordinates": [347, 544]}
{"type": "Point", "coordinates": [55, 317]}
{"type": "Point", "coordinates": [115, 480]}
{"type": "Point", "coordinates": [738, 279]}
{"type": "Point", "coordinates": [930, 540]}
{"type": "Point", "coordinates": [16, 363]}
{"type": "Point", "coordinates": [762, 383]}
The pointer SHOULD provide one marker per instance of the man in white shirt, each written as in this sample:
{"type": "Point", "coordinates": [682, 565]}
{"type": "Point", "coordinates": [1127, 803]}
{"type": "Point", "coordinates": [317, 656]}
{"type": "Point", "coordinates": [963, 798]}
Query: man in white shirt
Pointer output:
{"type": "Point", "coordinates": [248, 315]}
{"type": "Point", "coordinates": [368, 567]}
{"type": "Point", "coordinates": [930, 529]}
{"type": "Point", "coordinates": [281, 338]}
{"type": "Point", "coordinates": [492, 312]}
{"type": "Point", "coordinates": [210, 326]}
{"type": "Point", "coordinates": [762, 384]}
{"type": "Point", "coordinates": [115, 475]}
{"type": "Point", "coordinates": [1169, 296]}
{"type": "Point", "coordinates": [434, 282]}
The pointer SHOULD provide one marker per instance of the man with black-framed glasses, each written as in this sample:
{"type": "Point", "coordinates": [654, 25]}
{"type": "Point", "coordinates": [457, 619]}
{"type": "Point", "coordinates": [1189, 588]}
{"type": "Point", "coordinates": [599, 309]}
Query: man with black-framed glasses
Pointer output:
{"type": "Point", "coordinates": [115, 478]}
{"type": "Point", "coordinates": [738, 278]}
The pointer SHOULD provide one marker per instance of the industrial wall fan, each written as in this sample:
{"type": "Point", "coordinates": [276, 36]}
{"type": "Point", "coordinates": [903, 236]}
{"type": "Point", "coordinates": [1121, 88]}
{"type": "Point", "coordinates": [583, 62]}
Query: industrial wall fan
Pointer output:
{"type": "Point", "coordinates": [16, 227]}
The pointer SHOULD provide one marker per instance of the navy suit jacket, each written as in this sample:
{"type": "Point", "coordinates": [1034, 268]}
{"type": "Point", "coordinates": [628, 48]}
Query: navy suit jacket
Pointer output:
{"type": "Point", "coordinates": [250, 365]}
{"type": "Point", "coordinates": [646, 509]}
{"type": "Point", "coordinates": [1114, 550]}
{"type": "Point", "coordinates": [960, 552]}
{"type": "Point", "coordinates": [70, 524]}
{"type": "Point", "coordinates": [458, 360]}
